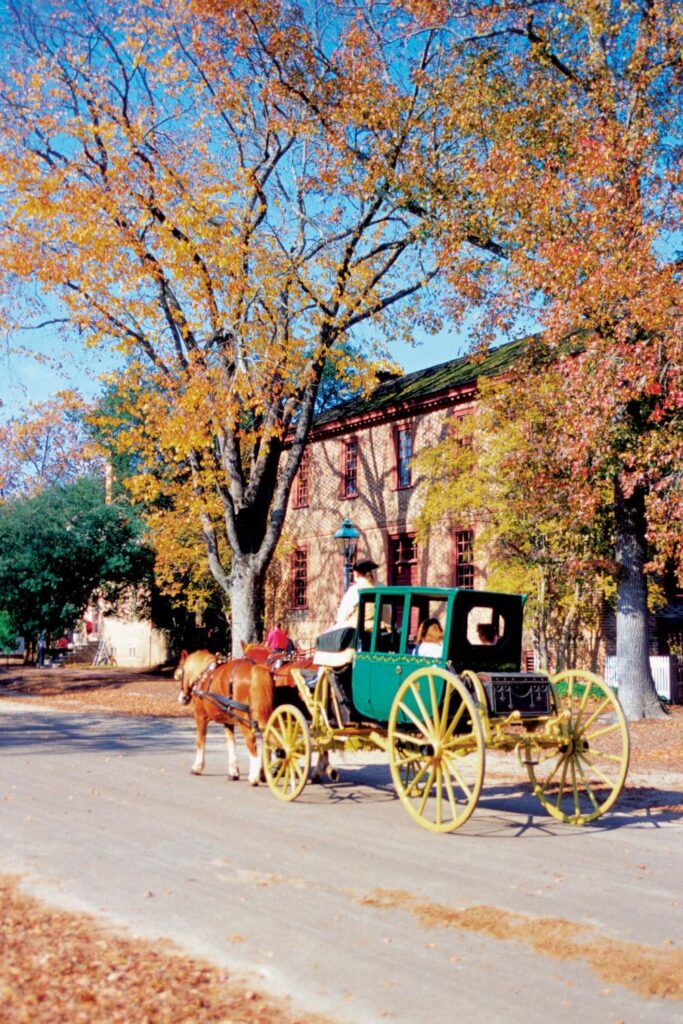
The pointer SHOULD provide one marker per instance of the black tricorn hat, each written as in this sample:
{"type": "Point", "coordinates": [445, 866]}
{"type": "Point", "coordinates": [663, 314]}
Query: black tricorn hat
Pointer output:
{"type": "Point", "coordinates": [366, 566]}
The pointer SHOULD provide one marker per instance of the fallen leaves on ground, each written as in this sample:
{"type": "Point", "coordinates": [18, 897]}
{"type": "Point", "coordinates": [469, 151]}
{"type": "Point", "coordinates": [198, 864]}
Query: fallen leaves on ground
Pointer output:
{"type": "Point", "coordinates": [57, 966]}
{"type": "Point", "coordinates": [650, 971]}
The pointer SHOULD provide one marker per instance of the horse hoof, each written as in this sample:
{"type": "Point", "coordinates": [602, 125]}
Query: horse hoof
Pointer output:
{"type": "Point", "coordinates": [253, 782]}
{"type": "Point", "coordinates": [196, 771]}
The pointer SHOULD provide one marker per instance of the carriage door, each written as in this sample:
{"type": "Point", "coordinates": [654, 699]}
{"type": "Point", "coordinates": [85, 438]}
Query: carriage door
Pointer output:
{"type": "Point", "coordinates": [379, 667]}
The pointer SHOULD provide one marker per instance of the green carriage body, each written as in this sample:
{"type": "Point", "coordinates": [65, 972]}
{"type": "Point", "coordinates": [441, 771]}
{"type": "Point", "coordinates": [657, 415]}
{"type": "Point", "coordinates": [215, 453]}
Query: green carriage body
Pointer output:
{"type": "Point", "coordinates": [388, 619]}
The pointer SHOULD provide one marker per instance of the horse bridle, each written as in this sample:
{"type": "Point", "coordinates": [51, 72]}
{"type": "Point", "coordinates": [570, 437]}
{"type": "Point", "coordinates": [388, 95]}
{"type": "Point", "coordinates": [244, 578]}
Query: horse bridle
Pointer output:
{"type": "Point", "coordinates": [185, 695]}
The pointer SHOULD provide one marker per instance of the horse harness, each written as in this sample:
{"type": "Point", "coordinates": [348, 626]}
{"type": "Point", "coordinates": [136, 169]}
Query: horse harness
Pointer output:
{"type": "Point", "coordinates": [237, 710]}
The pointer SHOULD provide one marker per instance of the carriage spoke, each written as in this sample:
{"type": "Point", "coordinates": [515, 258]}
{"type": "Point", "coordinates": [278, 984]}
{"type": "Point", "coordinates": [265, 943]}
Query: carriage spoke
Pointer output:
{"type": "Point", "coordinates": [452, 798]}
{"type": "Point", "coordinates": [563, 780]}
{"type": "Point", "coordinates": [595, 714]}
{"type": "Point", "coordinates": [414, 785]}
{"type": "Point", "coordinates": [604, 731]}
{"type": "Point", "coordinates": [445, 711]}
{"type": "Point", "coordinates": [418, 723]}
{"type": "Point", "coordinates": [595, 768]}
{"type": "Point", "coordinates": [455, 721]}
{"type": "Point", "coordinates": [588, 787]}
{"type": "Point", "coordinates": [435, 716]}
{"type": "Point", "coordinates": [428, 724]}
{"type": "Point", "coordinates": [427, 789]}
{"type": "Point", "coordinates": [439, 795]}
{"type": "Point", "coordinates": [454, 771]}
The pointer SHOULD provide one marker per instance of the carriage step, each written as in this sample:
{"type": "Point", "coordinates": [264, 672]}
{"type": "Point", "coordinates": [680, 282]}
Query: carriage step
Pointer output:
{"type": "Point", "coordinates": [530, 759]}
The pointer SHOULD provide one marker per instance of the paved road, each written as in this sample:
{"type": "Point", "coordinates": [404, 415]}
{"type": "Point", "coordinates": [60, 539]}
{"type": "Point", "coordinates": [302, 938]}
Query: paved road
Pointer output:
{"type": "Point", "coordinates": [339, 900]}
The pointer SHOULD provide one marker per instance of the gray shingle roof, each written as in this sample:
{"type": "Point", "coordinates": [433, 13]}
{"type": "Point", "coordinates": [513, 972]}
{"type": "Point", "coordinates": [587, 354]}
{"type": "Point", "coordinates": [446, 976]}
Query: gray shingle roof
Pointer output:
{"type": "Point", "coordinates": [426, 383]}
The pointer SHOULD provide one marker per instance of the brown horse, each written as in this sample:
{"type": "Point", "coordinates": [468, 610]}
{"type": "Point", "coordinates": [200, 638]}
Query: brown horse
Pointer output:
{"type": "Point", "coordinates": [236, 692]}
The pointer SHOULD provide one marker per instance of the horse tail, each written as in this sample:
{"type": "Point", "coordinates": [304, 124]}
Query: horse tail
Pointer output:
{"type": "Point", "coordinates": [261, 695]}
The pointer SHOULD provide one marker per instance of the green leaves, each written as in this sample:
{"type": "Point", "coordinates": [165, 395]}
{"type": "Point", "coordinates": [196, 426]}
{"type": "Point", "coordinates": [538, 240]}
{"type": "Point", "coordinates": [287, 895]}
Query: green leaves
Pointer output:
{"type": "Point", "coordinates": [61, 547]}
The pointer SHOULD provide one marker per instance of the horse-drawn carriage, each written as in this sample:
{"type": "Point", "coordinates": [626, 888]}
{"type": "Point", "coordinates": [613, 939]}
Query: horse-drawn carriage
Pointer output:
{"type": "Point", "coordinates": [436, 716]}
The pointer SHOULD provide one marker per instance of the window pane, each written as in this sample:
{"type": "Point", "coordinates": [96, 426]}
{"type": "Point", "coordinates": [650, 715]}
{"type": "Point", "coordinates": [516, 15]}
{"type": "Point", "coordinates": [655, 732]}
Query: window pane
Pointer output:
{"type": "Point", "coordinates": [403, 560]}
{"type": "Point", "coordinates": [300, 578]}
{"type": "Point", "coordinates": [464, 559]}
{"type": "Point", "coordinates": [301, 483]}
{"type": "Point", "coordinates": [404, 454]}
{"type": "Point", "coordinates": [350, 468]}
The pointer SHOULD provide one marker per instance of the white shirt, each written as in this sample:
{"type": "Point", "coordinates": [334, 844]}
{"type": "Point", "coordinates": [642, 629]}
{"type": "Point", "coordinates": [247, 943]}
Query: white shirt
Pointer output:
{"type": "Point", "coordinates": [428, 649]}
{"type": "Point", "coordinates": [348, 608]}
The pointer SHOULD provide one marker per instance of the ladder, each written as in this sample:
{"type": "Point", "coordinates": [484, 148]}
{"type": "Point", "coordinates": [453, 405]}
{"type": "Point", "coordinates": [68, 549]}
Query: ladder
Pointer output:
{"type": "Point", "coordinates": [104, 654]}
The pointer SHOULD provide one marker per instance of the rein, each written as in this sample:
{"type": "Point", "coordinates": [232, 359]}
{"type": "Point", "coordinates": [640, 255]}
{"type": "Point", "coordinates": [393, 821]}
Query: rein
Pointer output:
{"type": "Point", "coordinates": [237, 710]}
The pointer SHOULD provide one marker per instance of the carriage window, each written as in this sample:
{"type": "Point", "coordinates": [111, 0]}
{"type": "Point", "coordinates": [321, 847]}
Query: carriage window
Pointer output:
{"type": "Point", "coordinates": [426, 614]}
{"type": "Point", "coordinates": [485, 627]}
{"type": "Point", "coordinates": [390, 623]}
{"type": "Point", "coordinates": [387, 633]}
{"type": "Point", "coordinates": [366, 621]}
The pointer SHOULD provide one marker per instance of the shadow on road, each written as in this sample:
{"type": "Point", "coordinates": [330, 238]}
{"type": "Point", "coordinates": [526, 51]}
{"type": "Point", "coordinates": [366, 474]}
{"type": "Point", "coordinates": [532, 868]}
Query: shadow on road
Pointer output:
{"type": "Point", "coordinates": [638, 805]}
{"type": "Point", "coordinates": [47, 733]}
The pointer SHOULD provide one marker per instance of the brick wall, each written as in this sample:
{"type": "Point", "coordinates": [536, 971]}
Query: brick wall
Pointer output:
{"type": "Point", "coordinates": [381, 510]}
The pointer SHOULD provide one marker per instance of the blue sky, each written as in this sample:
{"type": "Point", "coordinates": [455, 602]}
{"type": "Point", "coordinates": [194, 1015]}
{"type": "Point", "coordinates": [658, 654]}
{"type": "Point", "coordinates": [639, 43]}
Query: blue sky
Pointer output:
{"type": "Point", "coordinates": [26, 380]}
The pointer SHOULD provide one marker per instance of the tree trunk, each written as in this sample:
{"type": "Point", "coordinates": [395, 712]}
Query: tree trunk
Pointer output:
{"type": "Point", "coordinates": [541, 630]}
{"type": "Point", "coordinates": [566, 644]}
{"type": "Point", "coordinates": [637, 692]}
{"type": "Point", "coordinates": [247, 585]}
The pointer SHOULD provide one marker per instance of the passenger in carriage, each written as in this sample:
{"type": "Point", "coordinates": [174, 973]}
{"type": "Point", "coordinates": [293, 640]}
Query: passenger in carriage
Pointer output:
{"type": "Point", "coordinates": [487, 633]}
{"type": "Point", "coordinates": [429, 639]}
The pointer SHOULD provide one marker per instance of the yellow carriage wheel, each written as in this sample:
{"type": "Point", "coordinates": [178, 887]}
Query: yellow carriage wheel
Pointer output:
{"type": "Point", "coordinates": [583, 775]}
{"type": "Point", "coordinates": [436, 749]}
{"type": "Point", "coordinates": [286, 752]}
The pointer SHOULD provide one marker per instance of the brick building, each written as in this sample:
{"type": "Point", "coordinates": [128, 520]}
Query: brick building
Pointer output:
{"type": "Point", "coordinates": [359, 466]}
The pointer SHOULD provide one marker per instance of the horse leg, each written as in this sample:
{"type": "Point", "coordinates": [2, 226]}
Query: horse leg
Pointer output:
{"type": "Point", "coordinates": [261, 701]}
{"type": "Point", "coordinates": [253, 746]}
{"type": "Point", "coordinates": [323, 769]}
{"type": "Point", "coordinates": [200, 725]}
{"type": "Point", "coordinates": [233, 767]}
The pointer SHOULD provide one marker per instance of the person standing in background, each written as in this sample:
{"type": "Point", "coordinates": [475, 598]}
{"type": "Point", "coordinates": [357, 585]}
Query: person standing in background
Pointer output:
{"type": "Point", "coordinates": [42, 647]}
{"type": "Point", "coordinates": [278, 639]}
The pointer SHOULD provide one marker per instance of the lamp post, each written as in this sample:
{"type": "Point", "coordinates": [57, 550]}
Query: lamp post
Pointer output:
{"type": "Point", "coordinates": [346, 538]}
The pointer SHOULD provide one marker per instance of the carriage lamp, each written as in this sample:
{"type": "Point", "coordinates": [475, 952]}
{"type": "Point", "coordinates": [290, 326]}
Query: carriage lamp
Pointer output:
{"type": "Point", "coordinates": [347, 537]}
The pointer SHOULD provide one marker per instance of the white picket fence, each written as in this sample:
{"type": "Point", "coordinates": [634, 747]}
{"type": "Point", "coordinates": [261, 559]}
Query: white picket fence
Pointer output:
{"type": "Point", "coordinates": [664, 673]}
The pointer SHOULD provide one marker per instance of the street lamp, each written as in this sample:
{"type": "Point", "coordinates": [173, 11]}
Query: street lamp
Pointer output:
{"type": "Point", "coordinates": [347, 537]}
